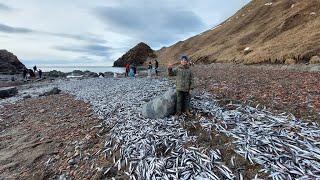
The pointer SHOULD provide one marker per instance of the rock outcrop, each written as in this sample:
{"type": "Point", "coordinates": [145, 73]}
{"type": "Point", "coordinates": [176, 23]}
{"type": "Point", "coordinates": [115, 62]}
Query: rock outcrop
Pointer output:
{"type": "Point", "coordinates": [8, 92]}
{"type": "Point", "coordinates": [138, 55]}
{"type": "Point", "coordinates": [9, 63]}
{"type": "Point", "coordinates": [161, 106]}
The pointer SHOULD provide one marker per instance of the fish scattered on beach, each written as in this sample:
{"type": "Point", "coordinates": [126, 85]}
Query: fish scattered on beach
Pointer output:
{"type": "Point", "coordinates": [286, 148]}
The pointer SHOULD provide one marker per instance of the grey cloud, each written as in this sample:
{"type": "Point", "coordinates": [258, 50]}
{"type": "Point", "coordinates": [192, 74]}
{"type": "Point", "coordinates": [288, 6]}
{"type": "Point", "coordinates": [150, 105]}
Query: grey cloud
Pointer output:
{"type": "Point", "coordinates": [9, 29]}
{"type": "Point", "coordinates": [4, 7]}
{"type": "Point", "coordinates": [81, 59]}
{"type": "Point", "coordinates": [93, 49]}
{"type": "Point", "coordinates": [80, 37]}
{"type": "Point", "coordinates": [88, 38]}
{"type": "Point", "coordinates": [153, 24]}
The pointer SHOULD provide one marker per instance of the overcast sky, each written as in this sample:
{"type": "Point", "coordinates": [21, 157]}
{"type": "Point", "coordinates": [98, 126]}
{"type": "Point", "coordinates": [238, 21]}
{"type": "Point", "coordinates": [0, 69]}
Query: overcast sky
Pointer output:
{"type": "Point", "coordinates": [97, 32]}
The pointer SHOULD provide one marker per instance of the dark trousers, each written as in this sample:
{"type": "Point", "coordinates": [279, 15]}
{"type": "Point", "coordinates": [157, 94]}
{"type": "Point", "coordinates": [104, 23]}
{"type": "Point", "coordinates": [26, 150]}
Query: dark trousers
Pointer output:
{"type": "Point", "coordinates": [183, 101]}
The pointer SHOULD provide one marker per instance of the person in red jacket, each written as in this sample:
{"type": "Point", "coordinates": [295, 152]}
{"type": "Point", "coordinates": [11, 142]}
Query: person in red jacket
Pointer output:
{"type": "Point", "coordinates": [127, 69]}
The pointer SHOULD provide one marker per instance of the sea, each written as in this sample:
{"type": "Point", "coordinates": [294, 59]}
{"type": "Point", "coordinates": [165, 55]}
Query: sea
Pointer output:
{"type": "Point", "coordinates": [95, 69]}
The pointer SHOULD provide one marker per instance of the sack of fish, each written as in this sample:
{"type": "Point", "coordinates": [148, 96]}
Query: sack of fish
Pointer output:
{"type": "Point", "coordinates": [143, 148]}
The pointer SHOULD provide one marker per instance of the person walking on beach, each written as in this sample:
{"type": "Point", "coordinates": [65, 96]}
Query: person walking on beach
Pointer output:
{"type": "Point", "coordinates": [184, 85]}
{"type": "Point", "coordinates": [24, 74]}
{"type": "Point", "coordinates": [134, 67]}
{"type": "Point", "coordinates": [156, 66]}
{"type": "Point", "coordinates": [149, 69]}
{"type": "Point", "coordinates": [40, 73]}
{"type": "Point", "coordinates": [127, 70]}
{"type": "Point", "coordinates": [34, 69]}
{"type": "Point", "coordinates": [132, 71]}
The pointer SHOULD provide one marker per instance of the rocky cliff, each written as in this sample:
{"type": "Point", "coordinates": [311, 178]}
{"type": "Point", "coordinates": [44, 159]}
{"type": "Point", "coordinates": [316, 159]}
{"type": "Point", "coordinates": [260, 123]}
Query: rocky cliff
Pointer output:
{"type": "Point", "coordinates": [9, 63]}
{"type": "Point", "coordinates": [138, 55]}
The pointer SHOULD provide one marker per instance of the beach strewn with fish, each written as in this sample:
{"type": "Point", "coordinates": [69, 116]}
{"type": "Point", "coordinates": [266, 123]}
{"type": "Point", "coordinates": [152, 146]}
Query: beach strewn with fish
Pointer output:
{"type": "Point", "coordinates": [129, 90]}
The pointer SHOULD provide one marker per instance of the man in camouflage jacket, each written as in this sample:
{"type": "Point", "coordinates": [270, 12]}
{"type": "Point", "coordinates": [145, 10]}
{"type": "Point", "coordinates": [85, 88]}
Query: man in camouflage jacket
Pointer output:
{"type": "Point", "coordinates": [184, 85]}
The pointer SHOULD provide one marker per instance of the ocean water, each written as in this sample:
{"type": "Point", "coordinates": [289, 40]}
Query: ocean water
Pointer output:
{"type": "Point", "coordinates": [95, 69]}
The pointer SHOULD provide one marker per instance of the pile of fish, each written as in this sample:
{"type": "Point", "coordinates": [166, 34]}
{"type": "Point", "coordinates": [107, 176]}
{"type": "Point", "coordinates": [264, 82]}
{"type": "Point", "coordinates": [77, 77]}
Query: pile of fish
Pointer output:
{"type": "Point", "coordinates": [145, 148]}
{"type": "Point", "coordinates": [142, 148]}
{"type": "Point", "coordinates": [287, 148]}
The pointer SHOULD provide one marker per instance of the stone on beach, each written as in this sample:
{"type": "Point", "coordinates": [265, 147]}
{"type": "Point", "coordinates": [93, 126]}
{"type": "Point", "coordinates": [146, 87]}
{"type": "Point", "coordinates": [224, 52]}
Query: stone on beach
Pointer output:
{"type": "Point", "coordinates": [161, 106]}
{"type": "Point", "coordinates": [55, 90]}
{"type": "Point", "coordinates": [8, 92]}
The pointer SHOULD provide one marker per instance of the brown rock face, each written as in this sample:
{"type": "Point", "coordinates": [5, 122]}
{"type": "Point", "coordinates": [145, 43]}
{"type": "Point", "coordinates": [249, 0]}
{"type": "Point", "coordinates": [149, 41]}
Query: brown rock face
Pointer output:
{"type": "Point", "coordinates": [138, 55]}
{"type": "Point", "coordinates": [274, 30]}
{"type": "Point", "coordinates": [9, 63]}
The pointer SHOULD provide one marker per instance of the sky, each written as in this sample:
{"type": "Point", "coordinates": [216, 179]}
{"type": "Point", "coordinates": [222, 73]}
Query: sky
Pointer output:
{"type": "Point", "coordinates": [98, 32]}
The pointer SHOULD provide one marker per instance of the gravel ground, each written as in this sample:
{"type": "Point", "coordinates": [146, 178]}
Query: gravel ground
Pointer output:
{"type": "Point", "coordinates": [49, 137]}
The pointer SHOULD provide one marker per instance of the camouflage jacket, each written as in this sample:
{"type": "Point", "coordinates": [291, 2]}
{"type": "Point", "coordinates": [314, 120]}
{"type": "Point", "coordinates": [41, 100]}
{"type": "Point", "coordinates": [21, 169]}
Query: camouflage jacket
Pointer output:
{"type": "Point", "coordinates": [184, 79]}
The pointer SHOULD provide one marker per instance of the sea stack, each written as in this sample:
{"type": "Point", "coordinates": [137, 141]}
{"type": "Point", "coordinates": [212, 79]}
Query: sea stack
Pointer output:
{"type": "Point", "coordinates": [138, 55]}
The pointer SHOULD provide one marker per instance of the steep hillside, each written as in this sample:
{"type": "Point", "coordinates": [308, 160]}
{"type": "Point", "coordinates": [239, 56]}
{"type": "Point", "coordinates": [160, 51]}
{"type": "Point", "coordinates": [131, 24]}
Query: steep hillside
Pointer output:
{"type": "Point", "coordinates": [9, 63]}
{"type": "Point", "coordinates": [264, 31]}
{"type": "Point", "coordinates": [138, 55]}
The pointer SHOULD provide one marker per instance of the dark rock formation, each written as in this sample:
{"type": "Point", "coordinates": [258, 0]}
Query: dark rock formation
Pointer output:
{"type": "Point", "coordinates": [9, 63]}
{"type": "Point", "coordinates": [138, 55]}
{"type": "Point", "coordinates": [54, 91]}
{"type": "Point", "coordinates": [8, 92]}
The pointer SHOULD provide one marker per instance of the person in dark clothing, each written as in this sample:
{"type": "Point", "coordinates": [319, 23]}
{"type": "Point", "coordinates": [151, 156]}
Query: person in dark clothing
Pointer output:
{"type": "Point", "coordinates": [184, 85]}
{"type": "Point", "coordinates": [156, 66]}
{"type": "Point", "coordinates": [24, 74]}
{"type": "Point", "coordinates": [149, 69]}
{"type": "Point", "coordinates": [134, 68]}
{"type": "Point", "coordinates": [127, 69]}
{"type": "Point", "coordinates": [40, 73]}
{"type": "Point", "coordinates": [34, 69]}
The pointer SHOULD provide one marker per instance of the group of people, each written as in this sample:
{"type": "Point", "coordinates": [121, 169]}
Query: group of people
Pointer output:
{"type": "Point", "coordinates": [131, 69]}
{"type": "Point", "coordinates": [29, 73]}
{"type": "Point", "coordinates": [150, 67]}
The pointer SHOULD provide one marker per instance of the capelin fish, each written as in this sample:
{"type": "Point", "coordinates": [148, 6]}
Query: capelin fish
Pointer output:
{"type": "Point", "coordinates": [280, 143]}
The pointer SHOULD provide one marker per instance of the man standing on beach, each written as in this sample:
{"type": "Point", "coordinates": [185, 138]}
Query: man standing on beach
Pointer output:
{"type": "Point", "coordinates": [34, 69]}
{"type": "Point", "coordinates": [40, 73]}
{"type": "Point", "coordinates": [184, 85]}
{"type": "Point", "coordinates": [156, 66]}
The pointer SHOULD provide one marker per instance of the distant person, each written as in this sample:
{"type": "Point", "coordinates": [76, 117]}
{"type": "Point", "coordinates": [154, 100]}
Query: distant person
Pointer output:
{"type": "Point", "coordinates": [149, 69]}
{"type": "Point", "coordinates": [31, 73]}
{"type": "Point", "coordinates": [40, 73]}
{"type": "Point", "coordinates": [170, 70]}
{"type": "Point", "coordinates": [131, 73]}
{"type": "Point", "coordinates": [24, 74]}
{"type": "Point", "coordinates": [127, 69]}
{"type": "Point", "coordinates": [156, 66]}
{"type": "Point", "coordinates": [133, 68]}
{"type": "Point", "coordinates": [184, 85]}
{"type": "Point", "coordinates": [34, 69]}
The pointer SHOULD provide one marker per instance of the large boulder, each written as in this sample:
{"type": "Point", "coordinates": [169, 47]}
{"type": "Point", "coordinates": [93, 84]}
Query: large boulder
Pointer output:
{"type": "Point", "coordinates": [8, 92]}
{"type": "Point", "coordinates": [9, 63]}
{"type": "Point", "coordinates": [137, 55]}
{"type": "Point", "coordinates": [161, 106]}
